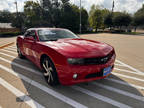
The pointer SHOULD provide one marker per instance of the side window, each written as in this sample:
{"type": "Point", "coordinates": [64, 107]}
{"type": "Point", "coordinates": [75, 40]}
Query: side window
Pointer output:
{"type": "Point", "coordinates": [30, 33]}
{"type": "Point", "coordinates": [26, 34]}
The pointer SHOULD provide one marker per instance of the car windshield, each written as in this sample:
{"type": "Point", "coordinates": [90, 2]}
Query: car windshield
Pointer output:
{"type": "Point", "coordinates": [53, 35]}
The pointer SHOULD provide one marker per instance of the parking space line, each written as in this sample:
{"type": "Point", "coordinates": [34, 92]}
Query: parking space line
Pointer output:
{"type": "Point", "coordinates": [129, 77]}
{"type": "Point", "coordinates": [119, 65]}
{"type": "Point", "coordinates": [45, 89]}
{"type": "Point", "coordinates": [130, 67]}
{"type": "Point", "coordinates": [100, 97]}
{"type": "Point", "coordinates": [123, 70]}
{"type": "Point", "coordinates": [14, 50]}
{"type": "Point", "coordinates": [9, 51]}
{"type": "Point", "coordinates": [9, 56]}
{"type": "Point", "coordinates": [20, 95]}
{"type": "Point", "coordinates": [6, 45]}
{"type": "Point", "coordinates": [21, 66]}
{"type": "Point", "coordinates": [122, 92]}
{"type": "Point", "coordinates": [14, 47]}
{"type": "Point", "coordinates": [14, 57]}
{"type": "Point", "coordinates": [125, 83]}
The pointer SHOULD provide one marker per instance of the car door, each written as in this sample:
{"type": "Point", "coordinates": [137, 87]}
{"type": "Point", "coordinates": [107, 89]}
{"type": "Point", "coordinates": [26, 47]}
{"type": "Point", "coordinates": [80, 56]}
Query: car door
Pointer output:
{"type": "Point", "coordinates": [34, 48]}
{"type": "Point", "coordinates": [28, 42]}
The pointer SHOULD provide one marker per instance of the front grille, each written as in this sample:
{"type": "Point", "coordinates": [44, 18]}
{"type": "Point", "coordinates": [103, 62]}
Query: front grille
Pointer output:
{"type": "Point", "coordinates": [98, 60]}
{"type": "Point", "coordinates": [94, 75]}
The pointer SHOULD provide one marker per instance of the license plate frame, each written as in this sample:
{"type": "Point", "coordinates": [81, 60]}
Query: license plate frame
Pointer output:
{"type": "Point", "coordinates": [107, 71]}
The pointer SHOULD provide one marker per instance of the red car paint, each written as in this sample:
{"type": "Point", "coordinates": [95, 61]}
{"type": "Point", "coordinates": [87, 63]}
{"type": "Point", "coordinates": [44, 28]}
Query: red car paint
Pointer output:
{"type": "Point", "coordinates": [59, 51]}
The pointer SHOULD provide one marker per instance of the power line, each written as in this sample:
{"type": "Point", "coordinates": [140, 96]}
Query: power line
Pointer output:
{"type": "Point", "coordinates": [16, 6]}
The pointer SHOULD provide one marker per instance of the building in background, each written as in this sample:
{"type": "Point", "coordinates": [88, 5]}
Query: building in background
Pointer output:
{"type": "Point", "coordinates": [6, 27]}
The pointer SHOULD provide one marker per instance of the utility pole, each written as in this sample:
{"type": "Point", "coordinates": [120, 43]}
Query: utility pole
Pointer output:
{"type": "Point", "coordinates": [113, 5]}
{"type": "Point", "coordinates": [80, 17]}
{"type": "Point", "coordinates": [19, 23]}
{"type": "Point", "coordinates": [112, 13]}
{"type": "Point", "coordinates": [16, 7]}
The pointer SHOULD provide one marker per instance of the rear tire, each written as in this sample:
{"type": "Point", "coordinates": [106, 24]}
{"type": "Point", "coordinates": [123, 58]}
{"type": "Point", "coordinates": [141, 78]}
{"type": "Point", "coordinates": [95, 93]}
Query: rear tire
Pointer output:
{"type": "Point", "coordinates": [20, 55]}
{"type": "Point", "coordinates": [50, 73]}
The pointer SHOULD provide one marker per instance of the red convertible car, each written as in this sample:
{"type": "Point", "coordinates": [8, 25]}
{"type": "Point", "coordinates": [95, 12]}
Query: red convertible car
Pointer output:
{"type": "Point", "coordinates": [64, 57]}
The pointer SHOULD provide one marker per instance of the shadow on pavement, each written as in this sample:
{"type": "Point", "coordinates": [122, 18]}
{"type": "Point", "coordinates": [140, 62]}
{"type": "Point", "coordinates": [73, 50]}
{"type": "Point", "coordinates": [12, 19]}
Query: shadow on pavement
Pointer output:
{"type": "Point", "coordinates": [49, 101]}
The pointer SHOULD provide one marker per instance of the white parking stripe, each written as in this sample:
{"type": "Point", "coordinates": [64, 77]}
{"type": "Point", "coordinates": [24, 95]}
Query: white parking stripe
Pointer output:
{"type": "Point", "coordinates": [123, 70]}
{"type": "Point", "coordinates": [20, 95]}
{"type": "Point", "coordinates": [9, 56]}
{"type": "Point", "coordinates": [45, 89]}
{"type": "Point", "coordinates": [129, 77]}
{"type": "Point", "coordinates": [132, 68]}
{"type": "Point", "coordinates": [125, 83]}
{"type": "Point", "coordinates": [125, 93]}
{"type": "Point", "coordinates": [100, 97]}
{"type": "Point", "coordinates": [13, 47]}
{"type": "Point", "coordinates": [119, 65]}
{"type": "Point", "coordinates": [9, 51]}
{"type": "Point", "coordinates": [14, 57]}
{"type": "Point", "coordinates": [21, 66]}
{"type": "Point", "coordinates": [14, 50]}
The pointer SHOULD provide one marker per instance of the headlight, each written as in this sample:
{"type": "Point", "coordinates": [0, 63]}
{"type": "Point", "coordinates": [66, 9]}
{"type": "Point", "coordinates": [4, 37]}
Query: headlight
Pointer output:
{"type": "Point", "coordinates": [75, 61]}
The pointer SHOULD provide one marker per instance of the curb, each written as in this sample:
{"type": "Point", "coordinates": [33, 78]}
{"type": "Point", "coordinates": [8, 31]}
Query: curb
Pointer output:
{"type": "Point", "coordinates": [6, 45]}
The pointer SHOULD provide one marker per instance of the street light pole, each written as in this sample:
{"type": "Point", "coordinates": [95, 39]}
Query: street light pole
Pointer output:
{"type": "Point", "coordinates": [16, 7]}
{"type": "Point", "coordinates": [113, 5]}
{"type": "Point", "coordinates": [80, 17]}
{"type": "Point", "coordinates": [19, 22]}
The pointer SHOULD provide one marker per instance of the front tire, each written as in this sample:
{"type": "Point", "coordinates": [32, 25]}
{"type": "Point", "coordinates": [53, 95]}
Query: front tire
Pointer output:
{"type": "Point", "coordinates": [50, 73]}
{"type": "Point", "coordinates": [20, 55]}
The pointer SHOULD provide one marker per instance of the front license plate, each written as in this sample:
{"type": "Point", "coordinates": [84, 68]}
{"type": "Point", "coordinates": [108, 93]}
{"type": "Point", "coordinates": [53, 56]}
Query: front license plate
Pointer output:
{"type": "Point", "coordinates": [106, 71]}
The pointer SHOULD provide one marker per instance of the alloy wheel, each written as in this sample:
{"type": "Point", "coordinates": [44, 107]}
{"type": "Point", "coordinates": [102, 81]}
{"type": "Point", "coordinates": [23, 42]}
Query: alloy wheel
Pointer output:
{"type": "Point", "coordinates": [48, 70]}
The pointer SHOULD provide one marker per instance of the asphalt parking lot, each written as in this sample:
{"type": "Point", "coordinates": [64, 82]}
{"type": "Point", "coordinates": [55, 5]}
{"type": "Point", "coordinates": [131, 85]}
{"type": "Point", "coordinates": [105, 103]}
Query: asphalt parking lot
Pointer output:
{"type": "Point", "coordinates": [22, 84]}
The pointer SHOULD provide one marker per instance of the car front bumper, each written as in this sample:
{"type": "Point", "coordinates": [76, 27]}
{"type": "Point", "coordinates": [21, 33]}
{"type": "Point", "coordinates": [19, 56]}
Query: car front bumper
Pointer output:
{"type": "Point", "coordinates": [85, 73]}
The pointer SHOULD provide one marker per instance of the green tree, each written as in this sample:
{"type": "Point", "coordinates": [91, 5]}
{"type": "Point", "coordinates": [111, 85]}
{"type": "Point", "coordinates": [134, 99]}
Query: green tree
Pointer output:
{"type": "Point", "coordinates": [70, 17]}
{"type": "Point", "coordinates": [105, 13]}
{"type": "Point", "coordinates": [95, 17]}
{"type": "Point", "coordinates": [108, 20]}
{"type": "Point", "coordinates": [33, 15]}
{"type": "Point", "coordinates": [122, 19]}
{"type": "Point", "coordinates": [138, 19]}
{"type": "Point", "coordinates": [18, 20]}
{"type": "Point", "coordinates": [5, 16]}
{"type": "Point", "coordinates": [84, 15]}
{"type": "Point", "coordinates": [52, 12]}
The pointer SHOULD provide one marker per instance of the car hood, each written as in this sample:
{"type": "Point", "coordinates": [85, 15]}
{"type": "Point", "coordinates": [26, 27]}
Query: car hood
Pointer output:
{"type": "Point", "coordinates": [80, 48]}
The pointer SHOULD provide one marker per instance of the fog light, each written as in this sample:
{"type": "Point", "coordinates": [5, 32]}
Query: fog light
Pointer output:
{"type": "Point", "coordinates": [75, 76]}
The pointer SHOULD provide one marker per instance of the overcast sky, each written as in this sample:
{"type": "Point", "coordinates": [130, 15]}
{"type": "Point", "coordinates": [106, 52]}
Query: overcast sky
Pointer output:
{"type": "Point", "coordinates": [130, 6]}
